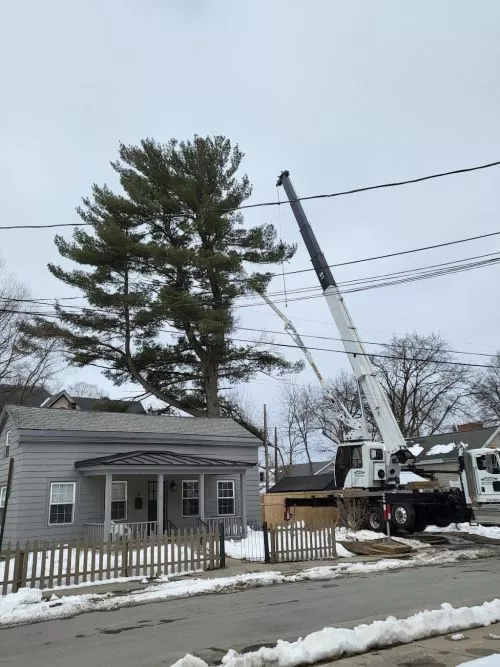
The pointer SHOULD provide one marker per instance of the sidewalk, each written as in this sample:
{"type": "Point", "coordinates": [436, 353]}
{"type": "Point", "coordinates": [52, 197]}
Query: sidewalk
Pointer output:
{"type": "Point", "coordinates": [233, 568]}
{"type": "Point", "coordinates": [436, 652]}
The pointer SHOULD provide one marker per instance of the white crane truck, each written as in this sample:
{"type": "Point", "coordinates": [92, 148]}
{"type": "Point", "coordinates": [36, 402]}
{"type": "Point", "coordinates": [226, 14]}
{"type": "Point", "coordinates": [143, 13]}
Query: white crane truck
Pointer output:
{"type": "Point", "coordinates": [373, 468]}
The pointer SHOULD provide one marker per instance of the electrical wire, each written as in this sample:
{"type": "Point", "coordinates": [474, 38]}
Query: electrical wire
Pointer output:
{"type": "Point", "coordinates": [330, 195]}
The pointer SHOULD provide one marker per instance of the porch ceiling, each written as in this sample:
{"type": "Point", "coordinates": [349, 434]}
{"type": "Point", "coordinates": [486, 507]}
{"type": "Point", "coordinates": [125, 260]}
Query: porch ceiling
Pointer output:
{"type": "Point", "coordinates": [150, 460]}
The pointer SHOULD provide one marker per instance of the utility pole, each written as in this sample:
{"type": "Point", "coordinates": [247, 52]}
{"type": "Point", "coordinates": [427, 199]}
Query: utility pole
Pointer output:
{"type": "Point", "coordinates": [266, 449]}
{"type": "Point", "coordinates": [275, 454]}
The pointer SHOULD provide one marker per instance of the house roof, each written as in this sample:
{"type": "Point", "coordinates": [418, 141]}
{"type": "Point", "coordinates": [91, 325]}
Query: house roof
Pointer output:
{"type": "Point", "coordinates": [34, 397]}
{"type": "Point", "coordinates": [101, 404]}
{"type": "Point", "coordinates": [443, 447]}
{"type": "Point", "coordinates": [147, 458]}
{"type": "Point", "coordinates": [304, 483]}
{"type": "Point", "coordinates": [16, 395]}
{"type": "Point", "coordinates": [304, 469]}
{"type": "Point", "coordinates": [44, 419]}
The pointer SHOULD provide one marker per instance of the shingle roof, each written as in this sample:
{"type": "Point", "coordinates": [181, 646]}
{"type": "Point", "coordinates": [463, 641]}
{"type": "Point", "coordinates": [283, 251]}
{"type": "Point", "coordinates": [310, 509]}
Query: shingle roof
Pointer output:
{"type": "Point", "coordinates": [444, 446]}
{"type": "Point", "coordinates": [75, 420]}
{"type": "Point", "coordinates": [304, 469]}
{"type": "Point", "coordinates": [16, 395]}
{"type": "Point", "coordinates": [304, 483]}
{"type": "Point", "coordinates": [146, 458]}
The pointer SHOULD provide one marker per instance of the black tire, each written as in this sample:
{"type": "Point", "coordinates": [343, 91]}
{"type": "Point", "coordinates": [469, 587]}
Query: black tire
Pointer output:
{"type": "Point", "coordinates": [376, 519]}
{"type": "Point", "coordinates": [403, 517]}
{"type": "Point", "coordinates": [420, 523]}
{"type": "Point", "coordinates": [442, 522]}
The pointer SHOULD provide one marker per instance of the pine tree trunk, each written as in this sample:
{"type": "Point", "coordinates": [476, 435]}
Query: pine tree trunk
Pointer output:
{"type": "Point", "coordinates": [212, 390]}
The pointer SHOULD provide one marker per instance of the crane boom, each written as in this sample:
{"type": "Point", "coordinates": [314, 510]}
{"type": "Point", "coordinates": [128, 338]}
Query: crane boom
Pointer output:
{"type": "Point", "coordinates": [342, 413]}
{"type": "Point", "coordinates": [362, 367]}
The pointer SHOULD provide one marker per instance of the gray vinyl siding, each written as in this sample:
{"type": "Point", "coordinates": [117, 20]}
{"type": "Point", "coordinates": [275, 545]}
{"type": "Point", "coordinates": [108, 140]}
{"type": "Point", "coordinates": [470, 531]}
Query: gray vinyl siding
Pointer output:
{"type": "Point", "coordinates": [10, 533]}
{"type": "Point", "coordinates": [40, 460]}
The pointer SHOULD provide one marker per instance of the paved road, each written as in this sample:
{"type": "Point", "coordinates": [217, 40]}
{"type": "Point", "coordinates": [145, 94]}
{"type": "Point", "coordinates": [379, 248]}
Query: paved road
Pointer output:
{"type": "Point", "coordinates": [159, 634]}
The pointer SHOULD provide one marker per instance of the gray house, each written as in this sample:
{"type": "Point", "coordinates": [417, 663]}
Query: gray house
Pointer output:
{"type": "Point", "coordinates": [93, 474]}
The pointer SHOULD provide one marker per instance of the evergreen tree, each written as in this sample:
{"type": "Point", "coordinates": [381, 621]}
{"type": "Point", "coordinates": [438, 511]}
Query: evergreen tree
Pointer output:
{"type": "Point", "coordinates": [161, 268]}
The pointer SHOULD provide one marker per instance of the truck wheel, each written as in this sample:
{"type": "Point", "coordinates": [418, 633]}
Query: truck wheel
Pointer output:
{"type": "Point", "coordinates": [420, 523]}
{"type": "Point", "coordinates": [403, 516]}
{"type": "Point", "coordinates": [376, 519]}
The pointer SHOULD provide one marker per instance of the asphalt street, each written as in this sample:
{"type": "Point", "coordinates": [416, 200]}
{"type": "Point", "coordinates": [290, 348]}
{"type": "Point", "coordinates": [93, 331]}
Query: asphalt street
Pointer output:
{"type": "Point", "coordinates": [160, 633]}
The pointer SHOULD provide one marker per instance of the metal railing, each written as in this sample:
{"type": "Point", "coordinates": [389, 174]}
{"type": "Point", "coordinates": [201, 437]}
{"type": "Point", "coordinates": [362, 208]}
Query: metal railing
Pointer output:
{"type": "Point", "coordinates": [136, 530]}
{"type": "Point", "coordinates": [233, 525]}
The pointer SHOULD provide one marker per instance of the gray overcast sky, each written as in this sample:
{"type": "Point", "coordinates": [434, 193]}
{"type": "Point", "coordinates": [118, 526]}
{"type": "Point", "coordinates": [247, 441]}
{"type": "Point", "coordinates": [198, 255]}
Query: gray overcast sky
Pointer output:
{"type": "Point", "coordinates": [342, 94]}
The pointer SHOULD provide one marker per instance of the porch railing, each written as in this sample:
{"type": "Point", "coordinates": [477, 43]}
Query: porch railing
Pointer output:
{"type": "Point", "coordinates": [233, 525]}
{"type": "Point", "coordinates": [136, 530]}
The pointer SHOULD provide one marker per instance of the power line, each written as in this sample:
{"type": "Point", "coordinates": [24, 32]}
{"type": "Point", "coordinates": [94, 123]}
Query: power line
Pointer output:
{"type": "Point", "coordinates": [278, 203]}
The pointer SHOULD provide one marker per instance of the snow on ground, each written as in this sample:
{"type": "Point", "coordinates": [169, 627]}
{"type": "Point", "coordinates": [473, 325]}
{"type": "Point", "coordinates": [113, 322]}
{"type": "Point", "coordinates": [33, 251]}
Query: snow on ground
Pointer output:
{"type": "Point", "coordinates": [484, 531]}
{"type": "Point", "coordinates": [489, 661]}
{"type": "Point", "coordinates": [333, 643]}
{"type": "Point", "coordinates": [137, 557]}
{"type": "Point", "coordinates": [27, 606]}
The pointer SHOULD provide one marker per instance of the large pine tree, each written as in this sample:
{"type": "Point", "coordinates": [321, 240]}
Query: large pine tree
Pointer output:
{"type": "Point", "coordinates": [161, 267]}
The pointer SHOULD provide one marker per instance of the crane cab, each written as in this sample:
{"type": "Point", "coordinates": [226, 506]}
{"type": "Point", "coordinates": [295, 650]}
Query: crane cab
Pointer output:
{"type": "Point", "coordinates": [365, 464]}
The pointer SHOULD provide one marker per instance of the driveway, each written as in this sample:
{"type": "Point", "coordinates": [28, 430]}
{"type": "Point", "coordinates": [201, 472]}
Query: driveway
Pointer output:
{"type": "Point", "coordinates": [161, 633]}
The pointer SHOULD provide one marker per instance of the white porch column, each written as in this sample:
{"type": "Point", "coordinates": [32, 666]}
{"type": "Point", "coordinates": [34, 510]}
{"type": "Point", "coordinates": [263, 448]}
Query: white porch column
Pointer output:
{"type": "Point", "coordinates": [243, 504]}
{"type": "Point", "coordinates": [107, 505]}
{"type": "Point", "coordinates": [159, 503]}
{"type": "Point", "coordinates": [202, 496]}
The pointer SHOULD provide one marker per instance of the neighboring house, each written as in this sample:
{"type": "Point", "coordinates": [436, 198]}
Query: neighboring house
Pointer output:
{"type": "Point", "coordinates": [78, 474]}
{"type": "Point", "coordinates": [438, 453]}
{"type": "Point", "coordinates": [38, 397]}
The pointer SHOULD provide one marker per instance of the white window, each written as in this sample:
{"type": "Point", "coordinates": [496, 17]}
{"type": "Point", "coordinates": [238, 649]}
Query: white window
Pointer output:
{"type": "Point", "coordinates": [7, 444]}
{"type": "Point", "coordinates": [62, 502]}
{"type": "Point", "coordinates": [225, 497]}
{"type": "Point", "coordinates": [3, 495]}
{"type": "Point", "coordinates": [190, 497]}
{"type": "Point", "coordinates": [119, 501]}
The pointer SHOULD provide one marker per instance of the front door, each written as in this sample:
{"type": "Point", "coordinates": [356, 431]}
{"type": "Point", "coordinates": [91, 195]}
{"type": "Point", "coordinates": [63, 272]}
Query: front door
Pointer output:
{"type": "Point", "coordinates": [152, 501]}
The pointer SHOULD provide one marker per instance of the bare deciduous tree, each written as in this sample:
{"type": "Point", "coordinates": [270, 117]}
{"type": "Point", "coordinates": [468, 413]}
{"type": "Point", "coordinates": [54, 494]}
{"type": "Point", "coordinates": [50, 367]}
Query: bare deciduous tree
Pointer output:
{"type": "Point", "coordinates": [486, 391]}
{"type": "Point", "coordinates": [299, 415]}
{"type": "Point", "coordinates": [86, 390]}
{"type": "Point", "coordinates": [24, 362]}
{"type": "Point", "coordinates": [427, 388]}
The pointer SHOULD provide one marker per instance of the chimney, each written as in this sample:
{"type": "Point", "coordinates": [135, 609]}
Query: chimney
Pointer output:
{"type": "Point", "coordinates": [471, 426]}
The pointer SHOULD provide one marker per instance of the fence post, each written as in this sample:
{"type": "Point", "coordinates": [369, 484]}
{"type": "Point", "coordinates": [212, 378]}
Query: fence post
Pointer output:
{"type": "Point", "coordinates": [222, 546]}
{"type": "Point", "coordinates": [125, 559]}
{"type": "Point", "coordinates": [18, 569]}
{"type": "Point", "coordinates": [265, 534]}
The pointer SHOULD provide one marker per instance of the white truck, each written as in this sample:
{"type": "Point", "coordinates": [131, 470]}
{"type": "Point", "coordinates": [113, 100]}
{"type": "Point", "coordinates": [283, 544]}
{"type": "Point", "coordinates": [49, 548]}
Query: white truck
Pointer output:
{"type": "Point", "coordinates": [374, 467]}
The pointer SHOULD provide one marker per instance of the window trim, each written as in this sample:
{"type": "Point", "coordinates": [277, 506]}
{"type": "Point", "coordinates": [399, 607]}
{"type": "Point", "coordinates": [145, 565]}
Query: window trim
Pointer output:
{"type": "Point", "coordinates": [187, 516]}
{"type": "Point", "coordinates": [66, 523]}
{"type": "Point", "coordinates": [7, 444]}
{"type": "Point", "coordinates": [3, 496]}
{"type": "Point", "coordinates": [225, 481]}
{"type": "Point", "coordinates": [120, 481]}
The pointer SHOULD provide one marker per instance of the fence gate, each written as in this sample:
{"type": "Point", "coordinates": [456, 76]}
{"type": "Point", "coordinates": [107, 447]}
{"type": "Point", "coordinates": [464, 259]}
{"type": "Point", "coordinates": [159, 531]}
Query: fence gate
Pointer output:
{"type": "Point", "coordinates": [296, 542]}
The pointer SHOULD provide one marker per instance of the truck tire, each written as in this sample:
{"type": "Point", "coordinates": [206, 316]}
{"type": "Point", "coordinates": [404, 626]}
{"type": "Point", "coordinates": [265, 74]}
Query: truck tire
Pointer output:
{"type": "Point", "coordinates": [420, 522]}
{"type": "Point", "coordinates": [376, 519]}
{"type": "Point", "coordinates": [403, 516]}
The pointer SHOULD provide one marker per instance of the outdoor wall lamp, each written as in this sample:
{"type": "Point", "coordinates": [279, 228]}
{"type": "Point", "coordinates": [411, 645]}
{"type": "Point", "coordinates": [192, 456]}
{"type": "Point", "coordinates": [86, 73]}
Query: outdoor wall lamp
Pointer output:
{"type": "Point", "coordinates": [173, 486]}
{"type": "Point", "coordinates": [138, 502]}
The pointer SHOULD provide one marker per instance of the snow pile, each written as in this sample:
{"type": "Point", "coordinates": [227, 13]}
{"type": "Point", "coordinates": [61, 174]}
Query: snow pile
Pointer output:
{"type": "Point", "coordinates": [333, 643]}
{"type": "Point", "coordinates": [27, 606]}
{"type": "Point", "coordinates": [441, 449]}
{"type": "Point", "coordinates": [492, 532]}
{"type": "Point", "coordinates": [489, 661]}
